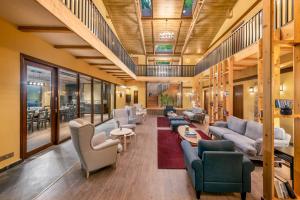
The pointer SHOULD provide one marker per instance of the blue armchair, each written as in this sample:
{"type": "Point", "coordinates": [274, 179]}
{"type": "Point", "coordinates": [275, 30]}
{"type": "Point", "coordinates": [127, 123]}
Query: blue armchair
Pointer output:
{"type": "Point", "coordinates": [169, 109]}
{"type": "Point", "coordinates": [213, 167]}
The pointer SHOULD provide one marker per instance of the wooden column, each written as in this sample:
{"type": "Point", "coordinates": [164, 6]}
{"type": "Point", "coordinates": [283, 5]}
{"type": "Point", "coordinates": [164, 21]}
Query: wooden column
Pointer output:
{"type": "Point", "coordinates": [296, 60]}
{"type": "Point", "coordinates": [210, 113]}
{"type": "Point", "coordinates": [214, 93]}
{"type": "Point", "coordinates": [219, 105]}
{"type": "Point", "coordinates": [268, 108]}
{"type": "Point", "coordinates": [224, 83]}
{"type": "Point", "coordinates": [260, 92]}
{"type": "Point", "coordinates": [230, 85]}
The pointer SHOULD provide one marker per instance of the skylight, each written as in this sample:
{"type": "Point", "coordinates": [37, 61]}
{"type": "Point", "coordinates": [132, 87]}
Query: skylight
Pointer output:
{"type": "Point", "coordinates": [164, 48]}
{"type": "Point", "coordinates": [146, 6]}
{"type": "Point", "coordinates": [188, 6]}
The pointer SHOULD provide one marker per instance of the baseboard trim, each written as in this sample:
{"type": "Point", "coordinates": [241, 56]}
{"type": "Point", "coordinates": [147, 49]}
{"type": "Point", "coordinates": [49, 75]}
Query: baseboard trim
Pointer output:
{"type": "Point", "coordinates": [11, 166]}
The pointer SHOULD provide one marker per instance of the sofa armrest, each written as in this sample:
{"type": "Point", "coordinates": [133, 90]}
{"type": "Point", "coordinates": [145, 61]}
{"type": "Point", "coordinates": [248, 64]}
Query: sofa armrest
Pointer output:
{"type": "Point", "coordinates": [108, 143]}
{"type": "Point", "coordinates": [248, 167]}
{"type": "Point", "coordinates": [193, 165]}
{"type": "Point", "coordinates": [221, 124]}
{"type": "Point", "coordinates": [258, 146]}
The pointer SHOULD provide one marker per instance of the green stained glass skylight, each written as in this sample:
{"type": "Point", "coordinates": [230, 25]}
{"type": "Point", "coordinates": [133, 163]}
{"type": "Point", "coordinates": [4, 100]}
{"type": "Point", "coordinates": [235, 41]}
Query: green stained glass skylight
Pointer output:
{"type": "Point", "coordinates": [146, 6]}
{"type": "Point", "coordinates": [162, 62]}
{"type": "Point", "coordinates": [164, 48]}
{"type": "Point", "coordinates": [188, 8]}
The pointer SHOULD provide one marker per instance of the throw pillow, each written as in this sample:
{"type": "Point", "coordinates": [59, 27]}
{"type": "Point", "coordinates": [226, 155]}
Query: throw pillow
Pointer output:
{"type": "Point", "coordinates": [279, 133]}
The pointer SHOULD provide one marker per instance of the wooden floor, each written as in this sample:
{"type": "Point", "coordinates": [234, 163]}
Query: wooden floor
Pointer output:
{"type": "Point", "coordinates": [137, 177]}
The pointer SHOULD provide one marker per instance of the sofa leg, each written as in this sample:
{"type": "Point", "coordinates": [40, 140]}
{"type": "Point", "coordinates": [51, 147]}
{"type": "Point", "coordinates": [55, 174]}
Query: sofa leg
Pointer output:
{"type": "Point", "coordinates": [198, 194]}
{"type": "Point", "coordinates": [87, 174]}
{"type": "Point", "coordinates": [243, 195]}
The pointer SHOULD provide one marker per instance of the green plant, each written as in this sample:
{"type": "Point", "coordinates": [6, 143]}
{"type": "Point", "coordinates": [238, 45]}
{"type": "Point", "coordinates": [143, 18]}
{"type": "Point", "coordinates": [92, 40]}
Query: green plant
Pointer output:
{"type": "Point", "coordinates": [166, 100]}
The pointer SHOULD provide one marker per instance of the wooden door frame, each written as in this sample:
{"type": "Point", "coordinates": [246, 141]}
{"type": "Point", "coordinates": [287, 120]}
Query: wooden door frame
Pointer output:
{"type": "Point", "coordinates": [23, 105]}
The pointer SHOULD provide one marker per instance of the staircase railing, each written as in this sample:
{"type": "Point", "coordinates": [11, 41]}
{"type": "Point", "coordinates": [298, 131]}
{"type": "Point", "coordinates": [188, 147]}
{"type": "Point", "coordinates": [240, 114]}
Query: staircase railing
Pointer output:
{"type": "Point", "coordinates": [166, 70]}
{"type": "Point", "coordinates": [89, 15]}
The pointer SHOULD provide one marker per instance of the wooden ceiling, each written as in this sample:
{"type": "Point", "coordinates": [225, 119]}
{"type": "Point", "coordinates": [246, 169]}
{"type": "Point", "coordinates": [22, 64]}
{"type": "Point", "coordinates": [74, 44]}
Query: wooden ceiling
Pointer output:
{"type": "Point", "coordinates": [211, 17]}
{"type": "Point", "coordinates": [194, 34]}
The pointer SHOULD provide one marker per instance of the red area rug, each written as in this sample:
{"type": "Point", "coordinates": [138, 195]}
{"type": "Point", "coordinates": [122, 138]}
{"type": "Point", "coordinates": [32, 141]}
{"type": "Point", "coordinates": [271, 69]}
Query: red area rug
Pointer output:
{"type": "Point", "coordinates": [163, 122]}
{"type": "Point", "coordinates": [169, 151]}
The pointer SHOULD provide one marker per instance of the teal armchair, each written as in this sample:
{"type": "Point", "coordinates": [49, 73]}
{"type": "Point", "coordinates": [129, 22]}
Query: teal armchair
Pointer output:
{"type": "Point", "coordinates": [215, 167]}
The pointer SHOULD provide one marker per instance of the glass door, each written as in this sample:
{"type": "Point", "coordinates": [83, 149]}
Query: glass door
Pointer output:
{"type": "Point", "coordinates": [97, 86]}
{"type": "Point", "coordinates": [85, 98]}
{"type": "Point", "coordinates": [68, 98]}
{"type": "Point", "coordinates": [38, 107]}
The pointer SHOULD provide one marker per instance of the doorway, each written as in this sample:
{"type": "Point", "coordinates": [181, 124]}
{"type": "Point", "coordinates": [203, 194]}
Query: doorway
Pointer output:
{"type": "Point", "coordinates": [238, 101]}
{"type": "Point", "coordinates": [38, 99]}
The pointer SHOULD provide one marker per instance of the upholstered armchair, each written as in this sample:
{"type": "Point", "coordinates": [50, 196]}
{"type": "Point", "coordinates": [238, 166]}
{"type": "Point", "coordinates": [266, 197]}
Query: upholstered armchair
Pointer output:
{"type": "Point", "coordinates": [94, 151]}
{"type": "Point", "coordinates": [214, 167]}
{"type": "Point", "coordinates": [122, 117]}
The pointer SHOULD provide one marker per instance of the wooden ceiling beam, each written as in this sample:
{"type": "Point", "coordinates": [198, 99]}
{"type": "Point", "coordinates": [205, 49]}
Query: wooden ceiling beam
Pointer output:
{"type": "Point", "coordinates": [108, 68]}
{"type": "Point", "coordinates": [44, 29]}
{"type": "Point", "coordinates": [90, 57]}
{"type": "Point", "coordinates": [164, 19]}
{"type": "Point", "coordinates": [177, 36]}
{"type": "Point", "coordinates": [102, 64]}
{"type": "Point", "coordinates": [140, 25]}
{"type": "Point", "coordinates": [73, 47]}
{"type": "Point", "coordinates": [196, 14]}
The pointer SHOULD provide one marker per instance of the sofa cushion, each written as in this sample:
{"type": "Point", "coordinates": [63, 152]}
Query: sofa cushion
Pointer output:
{"type": "Point", "coordinates": [254, 130]}
{"type": "Point", "coordinates": [237, 125]}
{"type": "Point", "coordinates": [189, 114]}
{"type": "Point", "coordinates": [197, 110]}
{"type": "Point", "coordinates": [279, 133]}
{"type": "Point", "coordinates": [243, 143]}
{"type": "Point", "coordinates": [214, 145]}
{"type": "Point", "coordinates": [218, 131]}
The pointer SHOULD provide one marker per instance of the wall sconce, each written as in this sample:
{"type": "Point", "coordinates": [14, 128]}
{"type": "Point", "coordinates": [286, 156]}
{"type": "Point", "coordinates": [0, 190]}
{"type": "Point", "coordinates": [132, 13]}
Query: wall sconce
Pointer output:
{"type": "Point", "coordinates": [119, 93]}
{"type": "Point", "coordinates": [281, 88]}
{"type": "Point", "coordinates": [251, 90]}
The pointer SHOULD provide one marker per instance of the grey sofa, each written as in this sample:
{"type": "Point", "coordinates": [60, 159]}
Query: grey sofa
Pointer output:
{"type": "Point", "coordinates": [214, 167]}
{"type": "Point", "coordinates": [246, 135]}
{"type": "Point", "coordinates": [192, 113]}
{"type": "Point", "coordinates": [94, 151]}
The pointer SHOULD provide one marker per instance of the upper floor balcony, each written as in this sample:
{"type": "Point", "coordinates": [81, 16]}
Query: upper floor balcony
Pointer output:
{"type": "Point", "coordinates": [165, 70]}
{"type": "Point", "coordinates": [249, 33]}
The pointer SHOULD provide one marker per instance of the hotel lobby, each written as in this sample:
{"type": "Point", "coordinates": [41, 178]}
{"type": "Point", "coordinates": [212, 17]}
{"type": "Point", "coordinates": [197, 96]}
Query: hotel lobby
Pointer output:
{"type": "Point", "coordinates": [149, 99]}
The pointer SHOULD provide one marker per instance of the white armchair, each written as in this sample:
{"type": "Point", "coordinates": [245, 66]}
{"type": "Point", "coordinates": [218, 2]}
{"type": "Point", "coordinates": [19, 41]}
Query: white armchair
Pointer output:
{"type": "Point", "coordinates": [122, 116]}
{"type": "Point", "coordinates": [94, 151]}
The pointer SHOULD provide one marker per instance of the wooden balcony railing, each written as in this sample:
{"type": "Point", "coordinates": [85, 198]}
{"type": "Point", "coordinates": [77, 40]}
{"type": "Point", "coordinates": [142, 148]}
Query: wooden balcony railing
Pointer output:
{"type": "Point", "coordinates": [247, 34]}
{"type": "Point", "coordinates": [166, 70]}
{"type": "Point", "coordinates": [89, 15]}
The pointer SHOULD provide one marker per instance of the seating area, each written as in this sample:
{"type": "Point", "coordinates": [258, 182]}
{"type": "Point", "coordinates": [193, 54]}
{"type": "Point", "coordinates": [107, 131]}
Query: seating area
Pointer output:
{"type": "Point", "coordinates": [149, 100]}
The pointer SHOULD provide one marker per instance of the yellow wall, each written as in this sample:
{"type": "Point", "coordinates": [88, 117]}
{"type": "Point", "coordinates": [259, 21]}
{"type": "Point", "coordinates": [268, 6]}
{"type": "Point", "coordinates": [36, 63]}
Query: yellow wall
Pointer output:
{"type": "Point", "coordinates": [12, 43]}
{"type": "Point", "coordinates": [131, 87]}
{"type": "Point", "coordinates": [187, 98]}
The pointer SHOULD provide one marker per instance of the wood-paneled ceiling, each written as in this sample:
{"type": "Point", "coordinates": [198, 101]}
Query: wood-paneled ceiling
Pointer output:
{"type": "Point", "coordinates": [194, 33]}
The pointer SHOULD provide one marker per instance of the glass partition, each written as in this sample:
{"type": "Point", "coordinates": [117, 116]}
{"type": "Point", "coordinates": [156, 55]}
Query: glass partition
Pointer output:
{"type": "Point", "coordinates": [39, 104]}
{"type": "Point", "coordinates": [106, 101]}
{"type": "Point", "coordinates": [85, 98]}
{"type": "Point", "coordinates": [68, 91]}
{"type": "Point", "coordinates": [97, 102]}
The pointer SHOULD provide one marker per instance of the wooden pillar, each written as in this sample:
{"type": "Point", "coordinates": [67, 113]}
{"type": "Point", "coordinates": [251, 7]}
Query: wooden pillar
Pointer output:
{"type": "Point", "coordinates": [219, 98]}
{"type": "Point", "coordinates": [230, 85]}
{"type": "Point", "coordinates": [210, 113]}
{"type": "Point", "coordinates": [260, 93]}
{"type": "Point", "coordinates": [268, 103]}
{"type": "Point", "coordinates": [224, 83]}
{"type": "Point", "coordinates": [296, 62]}
{"type": "Point", "coordinates": [214, 93]}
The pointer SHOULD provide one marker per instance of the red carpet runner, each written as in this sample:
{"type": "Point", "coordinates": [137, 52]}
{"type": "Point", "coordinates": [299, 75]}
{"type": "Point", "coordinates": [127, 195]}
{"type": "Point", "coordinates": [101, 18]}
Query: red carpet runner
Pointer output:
{"type": "Point", "coordinates": [169, 152]}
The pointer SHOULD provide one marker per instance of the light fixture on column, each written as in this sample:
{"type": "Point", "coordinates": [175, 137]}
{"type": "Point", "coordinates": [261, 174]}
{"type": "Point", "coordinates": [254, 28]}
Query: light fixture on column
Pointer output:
{"type": "Point", "coordinates": [251, 90]}
{"type": "Point", "coordinates": [281, 88]}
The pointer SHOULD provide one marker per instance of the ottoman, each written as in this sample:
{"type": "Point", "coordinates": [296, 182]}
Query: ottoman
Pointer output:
{"type": "Point", "coordinates": [176, 118]}
{"type": "Point", "coordinates": [176, 123]}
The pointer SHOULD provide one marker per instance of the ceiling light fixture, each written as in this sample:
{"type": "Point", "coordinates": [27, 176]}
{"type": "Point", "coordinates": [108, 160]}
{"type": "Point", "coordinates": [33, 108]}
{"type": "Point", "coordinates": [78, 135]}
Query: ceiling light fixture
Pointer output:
{"type": "Point", "coordinates": [166, 35]}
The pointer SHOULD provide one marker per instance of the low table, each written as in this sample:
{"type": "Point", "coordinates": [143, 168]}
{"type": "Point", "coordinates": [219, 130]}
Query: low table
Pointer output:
{"type": "Point", "coordinates": [124, 132]}
{"type": "Point", "coordinates": [176, 118]}
{"type": "Point", "coordinates": [286, 154]}
{"type": "Point", "coordinates": [192, 140]}
{"type": "Point", "coordinates": [176, 123]}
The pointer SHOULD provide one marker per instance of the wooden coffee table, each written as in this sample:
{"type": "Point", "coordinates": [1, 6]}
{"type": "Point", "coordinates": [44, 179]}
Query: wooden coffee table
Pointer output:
{"type": "Point", "coordinates": [121, 133]}
{"type": "Point", "coordinates": [192, 140]}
